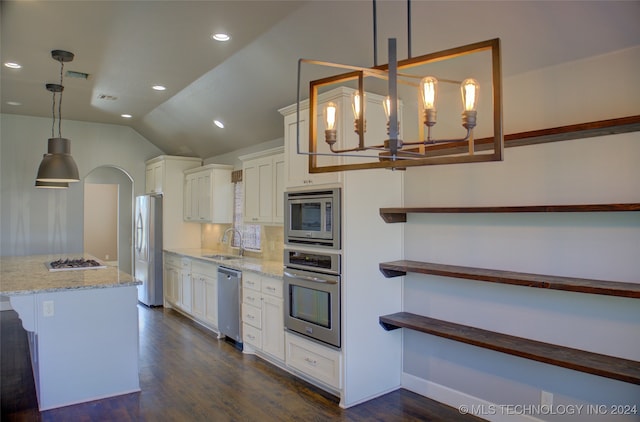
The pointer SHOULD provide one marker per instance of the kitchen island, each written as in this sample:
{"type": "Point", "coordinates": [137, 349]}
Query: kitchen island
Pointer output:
{"type": "Point", "coordinates": [82, 326]}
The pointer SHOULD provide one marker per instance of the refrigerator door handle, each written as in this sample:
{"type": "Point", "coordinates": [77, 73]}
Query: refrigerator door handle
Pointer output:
{"type": "Point", "coordinates": [139, 233]}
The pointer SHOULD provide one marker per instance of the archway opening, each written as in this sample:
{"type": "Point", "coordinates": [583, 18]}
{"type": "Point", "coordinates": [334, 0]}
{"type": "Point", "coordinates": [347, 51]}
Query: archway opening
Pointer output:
{"type": "Point", "coordinates": [108, 216]}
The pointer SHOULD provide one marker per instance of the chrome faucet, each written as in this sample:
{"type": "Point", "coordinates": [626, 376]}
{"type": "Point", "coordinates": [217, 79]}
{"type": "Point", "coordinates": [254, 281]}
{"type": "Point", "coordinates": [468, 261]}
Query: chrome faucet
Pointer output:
{"type": "Point", "coordinates": [233, 229]}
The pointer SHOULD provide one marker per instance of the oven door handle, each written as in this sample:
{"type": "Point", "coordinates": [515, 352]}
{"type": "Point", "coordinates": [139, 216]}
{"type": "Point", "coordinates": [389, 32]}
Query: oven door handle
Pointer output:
{"type": "Point", "coordinates": [310, 278]}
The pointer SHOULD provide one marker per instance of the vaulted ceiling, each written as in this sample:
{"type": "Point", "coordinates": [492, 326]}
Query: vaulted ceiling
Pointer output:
{"type": "Point", "coordinates": [128, 46]}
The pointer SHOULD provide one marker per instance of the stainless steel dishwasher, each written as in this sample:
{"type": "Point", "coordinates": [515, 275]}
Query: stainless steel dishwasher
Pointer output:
{"type": "Point", "coordinates": [229, 304]}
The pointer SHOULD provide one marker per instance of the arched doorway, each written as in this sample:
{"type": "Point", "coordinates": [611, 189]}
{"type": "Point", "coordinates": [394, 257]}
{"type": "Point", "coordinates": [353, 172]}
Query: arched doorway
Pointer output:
{"type": "Point", "coordinates": [108, 216]}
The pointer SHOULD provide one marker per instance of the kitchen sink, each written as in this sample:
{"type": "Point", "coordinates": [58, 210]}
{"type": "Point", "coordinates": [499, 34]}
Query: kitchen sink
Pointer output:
{"type": "Point", "coordinates": [223, 257]}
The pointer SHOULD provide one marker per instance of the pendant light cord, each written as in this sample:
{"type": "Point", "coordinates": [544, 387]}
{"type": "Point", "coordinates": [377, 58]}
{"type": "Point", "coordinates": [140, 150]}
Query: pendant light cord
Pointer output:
{"type": "Point", "coordinates": [375, 34]}
{"type": "Point", "coordinates": [375, 31]}
{"type": "Point", "coordinates": [53, 113]}
{"type": "Point", "coordinates": [409, 29]}
{"type": "Point", "coordinates": [60, 101]}
{"type": "Point", "coordinates": [55, 89]}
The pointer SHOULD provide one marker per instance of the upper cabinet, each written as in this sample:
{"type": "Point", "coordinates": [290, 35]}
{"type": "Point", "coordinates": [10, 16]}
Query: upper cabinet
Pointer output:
{"type": "Point", "coordinates": [165, 175]}
{"type": "Point", "coordinates": [297, 165]}
{"type": "Point", "coordinates": [162, 170]}
{"type": "Point", "coordinates": [153, 177]}
{"type": "Point", "coordinates": [208, 194]}
{"type": "Point", "coordinates": [263, 176]}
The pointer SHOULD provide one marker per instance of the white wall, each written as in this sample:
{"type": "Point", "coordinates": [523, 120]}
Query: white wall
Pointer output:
{"type": "Point", "coordinates": [590, 245]}
{"type": "Point", "coordinates": [42, 221]}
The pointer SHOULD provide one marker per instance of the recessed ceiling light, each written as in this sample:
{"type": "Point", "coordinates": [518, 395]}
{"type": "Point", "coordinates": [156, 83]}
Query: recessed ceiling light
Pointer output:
{"type": "Point", "coordinates": [219, 124]}
{"type": "Point", "coordinates": [126, 116]}
{"type": "Point", "coordinates": [14, 103]}
{"type": "Point", "coordinates": [221, 37]}
{"type": "Point", "coordinates": [12, 65]}
{"type": "Point", "coordinates": [159, 87]}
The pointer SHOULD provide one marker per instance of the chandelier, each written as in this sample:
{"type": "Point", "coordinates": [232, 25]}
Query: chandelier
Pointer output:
{"type": "Point", "coordinates": [57, 168]}
{"type": "Point", "coordinates": [410, 85]}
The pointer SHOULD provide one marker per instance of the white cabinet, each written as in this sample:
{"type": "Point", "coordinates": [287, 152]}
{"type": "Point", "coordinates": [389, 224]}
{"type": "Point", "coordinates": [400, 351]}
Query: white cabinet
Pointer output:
{"type": "Point", "coordinates": [258, 190]}
{"type": "Point", "coordinates": [197, 296]}
{"type": "Point", "coordinates": [191, 285]}
{"type": "Point", "coordinates": [263, 178]}
{"type": "Point", "coordinates": [297, 165]}
{"type": "Point", "coordinates": [316, 361]}
{"type": "Point", "coordinates": [208, 194]}
{"type": "Point", "coordinates": [165, 175]}
{"type": "Point", "coordinates": [172, 268]}
{"type": "Point", "coordinates": [278, 188]}
{"type": "Point", "coordinates": [262, 315]}
{"type": "Point", "coordinates": [185, 286]}
{"type": "Point", "coordinates": [205, 293]}
{"type": "Point", "coordinates": [273, 325]}
{"type": "Point", "coordinates": [153, 177]}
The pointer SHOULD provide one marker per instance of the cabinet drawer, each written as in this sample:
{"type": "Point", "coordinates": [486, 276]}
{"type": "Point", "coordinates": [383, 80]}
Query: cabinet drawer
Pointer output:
{"type": "Point", "coordinates": [252, 315]}
{"type": "Point", "coordinates": [204, 268]}
{"type": "Point", "coordinates": [272, 287]}
{"type": "Point", "coordinates": [319, 362]}
{"type": "Point", "coordinates": [251, 281]}
{"type": "Point", "coordinates": [186, 263]}
{"type": "Point", "coordinates": [252, 297]}
{"type": "Point", "coordinates": [252, 335]}
{"type": "Point", "coordinates": [172, 260]}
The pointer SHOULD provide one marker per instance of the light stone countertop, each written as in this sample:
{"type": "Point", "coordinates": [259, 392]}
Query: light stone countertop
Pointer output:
{"type": "Point", "coordinates": [22, 275]}
{"type": "Point", "coordinates": [268, 268]}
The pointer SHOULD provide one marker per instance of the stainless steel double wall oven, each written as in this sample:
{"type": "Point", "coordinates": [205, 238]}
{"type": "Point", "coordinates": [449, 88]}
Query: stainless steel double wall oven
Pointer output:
{"type": "Point", "coordinates": [312, 261]}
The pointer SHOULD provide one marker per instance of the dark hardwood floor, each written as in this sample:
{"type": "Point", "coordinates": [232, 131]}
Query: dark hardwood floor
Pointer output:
{"type": "Point", "coordinates": [187, 374]}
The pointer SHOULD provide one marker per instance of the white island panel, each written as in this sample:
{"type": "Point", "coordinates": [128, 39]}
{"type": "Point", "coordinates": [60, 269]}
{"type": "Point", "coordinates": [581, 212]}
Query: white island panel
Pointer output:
{"type": "Point", "coordinates": [88, 348]}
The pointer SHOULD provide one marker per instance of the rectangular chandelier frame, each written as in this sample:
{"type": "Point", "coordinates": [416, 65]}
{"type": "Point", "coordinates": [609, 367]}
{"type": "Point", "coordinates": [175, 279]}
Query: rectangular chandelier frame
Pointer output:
{"type": "Point", "coordinates": [418, 156]}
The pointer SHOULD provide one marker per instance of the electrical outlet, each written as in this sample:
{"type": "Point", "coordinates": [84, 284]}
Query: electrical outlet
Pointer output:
{"type": "Point", "coordinates": [47, 308]}
{"type": "Point", "coordinates": [546, 398]}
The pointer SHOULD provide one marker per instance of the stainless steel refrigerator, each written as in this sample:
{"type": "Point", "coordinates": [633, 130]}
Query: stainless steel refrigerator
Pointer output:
{"type": "Point", "coordinates": [148, 249]}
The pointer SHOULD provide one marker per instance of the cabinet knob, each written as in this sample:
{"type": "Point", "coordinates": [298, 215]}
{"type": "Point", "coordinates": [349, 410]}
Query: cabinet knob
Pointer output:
{"type": "Point", "coordinates": [310, 361]}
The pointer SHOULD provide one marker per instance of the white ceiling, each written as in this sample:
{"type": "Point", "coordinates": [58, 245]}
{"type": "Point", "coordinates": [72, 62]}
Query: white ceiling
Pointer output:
{"type": "Point", "coordinates": [128, 46]}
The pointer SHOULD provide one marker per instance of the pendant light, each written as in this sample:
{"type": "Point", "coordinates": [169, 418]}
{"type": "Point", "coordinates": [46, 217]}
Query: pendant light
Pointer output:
{"type": "Point", "coordinates": [57, 166]}
{"type": "Point", "coordinates": [51, 185]}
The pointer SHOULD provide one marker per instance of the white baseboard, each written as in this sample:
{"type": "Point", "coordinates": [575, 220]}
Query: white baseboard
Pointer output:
{"type": "Point", "coordinates": [465, 403]}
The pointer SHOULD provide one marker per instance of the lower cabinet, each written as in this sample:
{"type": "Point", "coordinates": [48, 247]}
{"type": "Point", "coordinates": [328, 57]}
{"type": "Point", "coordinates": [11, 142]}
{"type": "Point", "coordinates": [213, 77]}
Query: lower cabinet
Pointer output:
{"type": "Point", "coordinates": [205, 293]}
{"type": "Point", "coordinates": [191, 286]}
{"type": "Point", "coordinates": [262, 315]}
{"type": "Point", "coordinates": [172, 270]}
{"type": "Point", "coordinates": [211, 301]}
{"type": "Point", "coordinates": [314, 360]}
{"type": "Point", "coordinates": [273, 326]}
{"type": "Point", "coordinates": [184, 286]}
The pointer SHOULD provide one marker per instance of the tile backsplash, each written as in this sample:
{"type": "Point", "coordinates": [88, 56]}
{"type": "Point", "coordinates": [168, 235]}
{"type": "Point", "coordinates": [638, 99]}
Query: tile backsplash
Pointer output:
{"type": "Point", "coordinates": [271, 240]}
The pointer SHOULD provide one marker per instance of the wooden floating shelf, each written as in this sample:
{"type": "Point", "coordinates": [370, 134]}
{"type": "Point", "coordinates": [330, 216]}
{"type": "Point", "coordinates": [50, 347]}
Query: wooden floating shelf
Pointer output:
{"type": "Point", "coordinates": [571, 284]}
{"type": "Point", "coordinates": [399, 215]}
{"type": "Point", "coordinates": [592, 363]}
{"type": "Point", "coordinates": [541, 136]}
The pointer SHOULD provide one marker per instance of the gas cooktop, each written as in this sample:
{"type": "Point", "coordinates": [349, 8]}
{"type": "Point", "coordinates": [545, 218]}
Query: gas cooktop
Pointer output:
{"type": "Point", "coordinates": [70, 264]}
